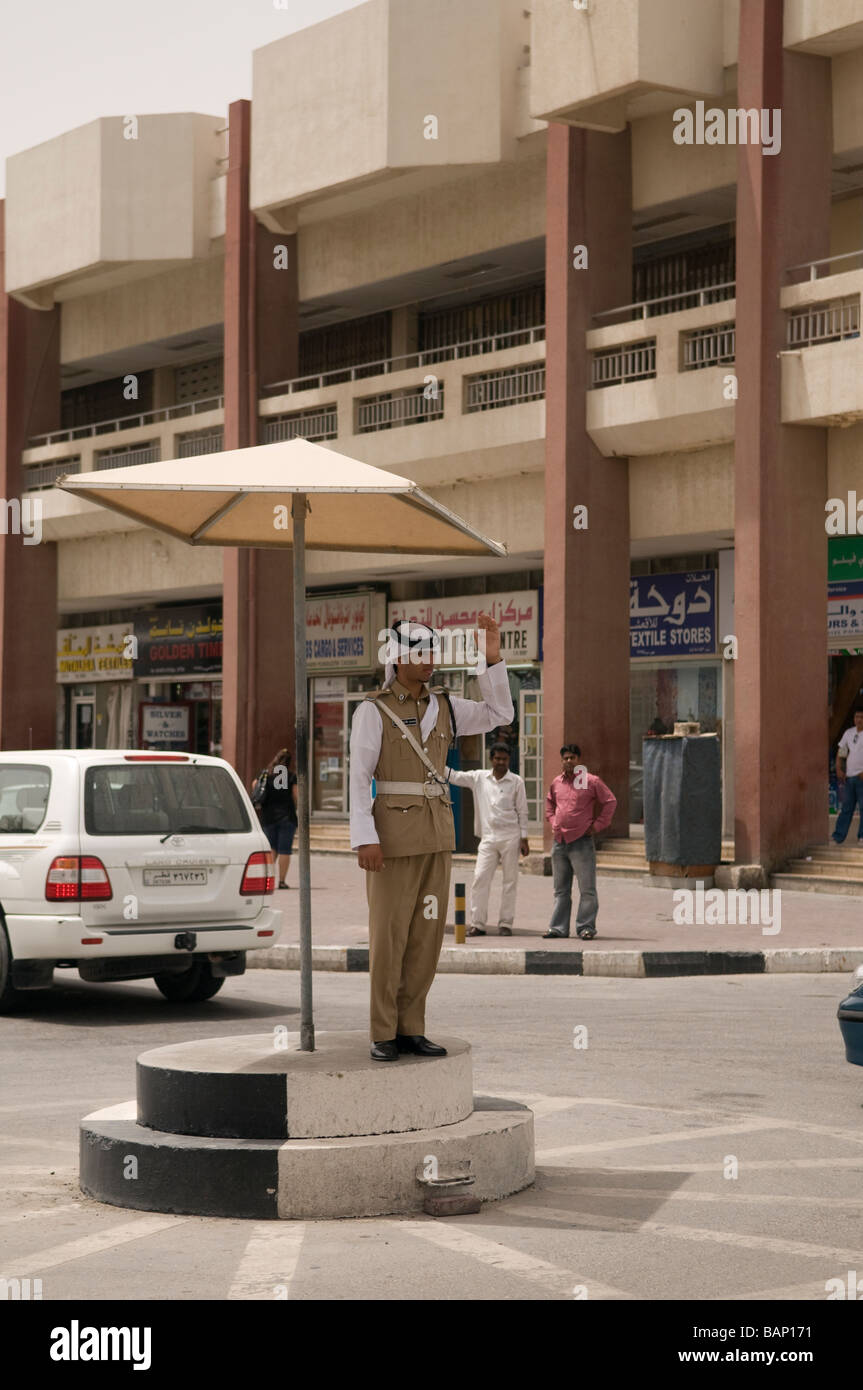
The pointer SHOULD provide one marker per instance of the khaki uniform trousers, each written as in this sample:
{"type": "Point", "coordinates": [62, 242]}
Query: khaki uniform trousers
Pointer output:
{"type": "Point", "coordinates": [408, 901]}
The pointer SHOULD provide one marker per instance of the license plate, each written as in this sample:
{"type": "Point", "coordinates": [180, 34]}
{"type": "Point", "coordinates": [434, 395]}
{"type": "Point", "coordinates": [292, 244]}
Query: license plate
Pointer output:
{"type": "Point", "coordinates": [174, 878]}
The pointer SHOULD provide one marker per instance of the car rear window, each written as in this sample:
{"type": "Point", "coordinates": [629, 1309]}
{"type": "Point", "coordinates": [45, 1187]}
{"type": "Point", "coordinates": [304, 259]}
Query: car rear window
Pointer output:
{"type": "Point", "coordinates": [23, 797]}
{"type": "Point", "coordinates": [162, 799]}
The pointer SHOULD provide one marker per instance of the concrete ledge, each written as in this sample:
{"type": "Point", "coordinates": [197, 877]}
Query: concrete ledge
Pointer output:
{"type": "Point", "coordinates": [492, 960]}
{"type": "Point", "coordinates": [741, 876]}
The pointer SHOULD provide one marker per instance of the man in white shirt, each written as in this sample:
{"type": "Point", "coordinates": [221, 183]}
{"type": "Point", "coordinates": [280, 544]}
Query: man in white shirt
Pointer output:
{"type": "Point", "coordinates": [500, 819]}
{"type": "Point", "coordinates": [400, 736]}
{"type": "Point", "coordinates": [849, 774]}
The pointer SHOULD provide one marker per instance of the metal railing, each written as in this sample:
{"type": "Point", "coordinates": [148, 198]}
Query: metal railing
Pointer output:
{"type": "Point", "coordinates": [127, 458]}
{"type": "Point", "coordinates": [708, 347]}
{"type": "Point", "coordinates": [128, 422]}
{"type": "Point", "coordinates": [303, 424]}
{"type": "Point", "coordinates": [205, 442]}
{"type": "Point", "coordinates": [629, 362]}
{"type": "Point", "coordinates": [393, 410]}
{"type": "Point", "coordinates": [508, 386]}
{"type": "Point", "coordinates": [811, 267]}
{"type": "Point", "coordinates": [412, 361]}
{"type": "Point", "coordinates": [669, 303]}
{"type": "Point", "coordinates": [43, 475]}
{"type": "Point", "coordinates": [824, 323]}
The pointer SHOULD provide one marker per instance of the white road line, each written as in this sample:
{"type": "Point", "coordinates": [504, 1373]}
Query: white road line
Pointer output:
{"type": "Point", "coordinates": [535, 1097]}
{"type": "Point", "coordinates": [61, 1104]}
{"type": "Point", "coordinates": [507, 1260]}
{"type": "Point", "coordinates": [25, 1265]}
{"type": "Point", "coordinates": [731, 1195]}
{"type": "Point", "coordinates": [673, 1136]}
{"type": "Point", "coordinates": [269, 1261]}
{"type": "Point", "coordinates": [35, 1212]}
{"type": "Point", "coordinates": [775, 1244]}
{"type": "Point", "coordinates": [809, 1293]}
{"type": "Point", "coordinates": [52, 1144]}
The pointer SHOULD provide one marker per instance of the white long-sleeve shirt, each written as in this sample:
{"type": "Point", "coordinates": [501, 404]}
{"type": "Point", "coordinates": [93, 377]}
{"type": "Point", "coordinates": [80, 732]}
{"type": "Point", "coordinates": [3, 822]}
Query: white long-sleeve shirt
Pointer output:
{"type": "Point", "coordinates": [471, 717]}
{"type": "Point", "coordinates": [499, 803]}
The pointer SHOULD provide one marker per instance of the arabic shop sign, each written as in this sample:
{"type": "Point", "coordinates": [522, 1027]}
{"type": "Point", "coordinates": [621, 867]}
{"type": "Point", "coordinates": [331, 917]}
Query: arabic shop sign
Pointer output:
{"type": "Point", "coordinates": [94, 653]}
{"type": "Point", "coordinates": [673, 614]}
{"type": "Point", "coordinates": [339, 633]}
{"type": "Point", "coordinates": [179, 641]}
{"type": "Point", "coordinates": [844, 592]}
{"type": "Point", "coordinates": [517, 615]}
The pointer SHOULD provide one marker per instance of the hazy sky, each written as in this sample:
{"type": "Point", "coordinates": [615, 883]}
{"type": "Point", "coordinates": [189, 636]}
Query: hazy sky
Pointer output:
{"type": "Point", "coordinates": [65, 62]}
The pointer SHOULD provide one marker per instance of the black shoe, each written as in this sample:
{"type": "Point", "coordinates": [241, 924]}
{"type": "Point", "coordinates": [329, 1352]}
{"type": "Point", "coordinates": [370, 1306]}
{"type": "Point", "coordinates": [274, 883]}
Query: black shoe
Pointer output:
{"type": "Point", "coordinates": [587, 933]}
{"type": "Point", "coordinates": [475, 931]}
{"type": "Point", "coordinates": [420, 1045]}
{"type": "Point", "coordinates": [384, 1051]}
{"type": "Point", "coordinates": [554, 935]}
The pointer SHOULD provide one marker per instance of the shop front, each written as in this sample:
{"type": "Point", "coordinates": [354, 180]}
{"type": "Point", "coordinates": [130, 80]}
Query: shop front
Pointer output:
{"type": "Point", "coordinates": [95, 686]}
{"type": "Point", "coordinates": [844, 643]}
{"type": "Point", "coordinates": [178, 679]}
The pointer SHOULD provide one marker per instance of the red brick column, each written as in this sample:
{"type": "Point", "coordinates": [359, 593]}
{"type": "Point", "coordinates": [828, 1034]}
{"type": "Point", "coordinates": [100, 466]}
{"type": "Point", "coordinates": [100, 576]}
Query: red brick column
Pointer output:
{"type": "Point", "coordinates": [586, 584]}
{"type": "Point", "coordinates": [261, 347]}
{"type": "Point", "coordinates": [29, 404]}
{"type": "Point", "coordinates": [783, 219]}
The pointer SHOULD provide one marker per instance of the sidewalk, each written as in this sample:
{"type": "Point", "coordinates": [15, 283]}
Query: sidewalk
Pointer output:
{"type": "Point", "coordinates": [636, 931]}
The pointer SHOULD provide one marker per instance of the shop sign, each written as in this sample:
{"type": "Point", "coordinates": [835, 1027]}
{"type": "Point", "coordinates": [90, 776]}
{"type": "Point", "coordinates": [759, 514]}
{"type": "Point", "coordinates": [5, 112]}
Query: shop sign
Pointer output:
{"type": "Point", "coordinates": [164, 726]}
{"type": "Point", "coordinates": [339, 633]}
{"type": "Point", "coordinates": [179, 642]}
{"type": "Point", "coordinates": [516, 613]}
{"type": "Point", "coordinates": [673, 614]}
{"type": "Point", "coordinates": [95, 653]}
{"type": "Point", "coordinates": [845, 594]}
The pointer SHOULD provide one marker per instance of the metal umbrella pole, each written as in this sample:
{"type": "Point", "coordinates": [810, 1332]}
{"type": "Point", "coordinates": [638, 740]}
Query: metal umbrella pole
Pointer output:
{"type": "Point", "coordinates": [301, 698]}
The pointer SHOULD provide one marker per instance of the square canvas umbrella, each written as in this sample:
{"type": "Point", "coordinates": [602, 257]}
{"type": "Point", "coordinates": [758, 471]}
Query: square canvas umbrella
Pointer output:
{"type": "Point", "coordinates": [293, 494]}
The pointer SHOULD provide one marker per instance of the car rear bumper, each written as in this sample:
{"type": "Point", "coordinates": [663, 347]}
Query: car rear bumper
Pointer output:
{"type": "Point", "coordinates": [62, 938]}
{"type": "Point", "coordinates": [850, 1017]}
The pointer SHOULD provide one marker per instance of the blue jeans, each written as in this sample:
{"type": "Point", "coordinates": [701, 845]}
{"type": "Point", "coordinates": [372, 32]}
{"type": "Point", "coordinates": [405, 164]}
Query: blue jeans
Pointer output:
{"type": "Point", "coordinates": [850, 796]}
{"type": "Point", "coordinates": [578, 858]}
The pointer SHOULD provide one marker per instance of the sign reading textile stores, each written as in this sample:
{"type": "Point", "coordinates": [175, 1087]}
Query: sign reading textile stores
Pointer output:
{"type": "Point", "coordinates": [94, 653]}
{"type": "Point", "coordinates": [845, 593]}
{"type": "Point", "coordinates": [517, 615]}
{"type": "Point", "coordinates": [673, 614]}
{"type": "Point", "coordinates": [339, 634]}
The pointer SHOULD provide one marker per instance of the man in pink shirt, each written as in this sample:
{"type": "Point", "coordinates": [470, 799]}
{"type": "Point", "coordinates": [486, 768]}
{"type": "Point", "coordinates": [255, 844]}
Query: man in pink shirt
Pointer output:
{"type": "Point", "coordinates": [578, 806]}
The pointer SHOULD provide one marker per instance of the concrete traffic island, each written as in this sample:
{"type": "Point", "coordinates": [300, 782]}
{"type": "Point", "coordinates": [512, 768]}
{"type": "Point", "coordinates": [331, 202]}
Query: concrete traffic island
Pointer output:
{"type": "Point", "coordinates": [246, 1127]}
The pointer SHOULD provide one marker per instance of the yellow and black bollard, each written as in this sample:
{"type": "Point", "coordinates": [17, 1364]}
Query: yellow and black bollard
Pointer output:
{"type": "Point", "coordinates": [459, 914]}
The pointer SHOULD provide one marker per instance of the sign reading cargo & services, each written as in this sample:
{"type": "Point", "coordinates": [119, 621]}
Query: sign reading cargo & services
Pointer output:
{"type": "Point", "coordinates": [339, 633]}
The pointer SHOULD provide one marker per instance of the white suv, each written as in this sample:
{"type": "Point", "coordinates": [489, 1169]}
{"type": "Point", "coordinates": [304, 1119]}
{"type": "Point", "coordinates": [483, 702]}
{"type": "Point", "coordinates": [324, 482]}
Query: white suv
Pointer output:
{"type": "Point", "coordinates": [129, 866]}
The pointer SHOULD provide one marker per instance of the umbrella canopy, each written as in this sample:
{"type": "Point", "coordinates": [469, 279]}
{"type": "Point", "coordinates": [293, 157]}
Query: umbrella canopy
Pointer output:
{"type": "Point", "coordinates": [243, 497]}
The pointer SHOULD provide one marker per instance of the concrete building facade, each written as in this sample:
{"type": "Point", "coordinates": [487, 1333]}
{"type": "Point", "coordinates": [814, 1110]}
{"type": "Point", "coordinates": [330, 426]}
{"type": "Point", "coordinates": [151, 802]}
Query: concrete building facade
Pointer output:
{"type": "Point", "coordinates": [590, 275]}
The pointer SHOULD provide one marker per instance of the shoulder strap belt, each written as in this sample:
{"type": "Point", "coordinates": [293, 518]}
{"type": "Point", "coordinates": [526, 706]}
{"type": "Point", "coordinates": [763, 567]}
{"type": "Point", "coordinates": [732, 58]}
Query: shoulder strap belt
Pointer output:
{"type": "Point", "coordinates": [409, 788]}
{"type": "Point", "coordinates": [418, 749]}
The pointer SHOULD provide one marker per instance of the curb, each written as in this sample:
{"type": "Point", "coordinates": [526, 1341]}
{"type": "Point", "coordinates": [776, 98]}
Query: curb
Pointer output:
{"type": "Point", "coordinates": [478, 960]}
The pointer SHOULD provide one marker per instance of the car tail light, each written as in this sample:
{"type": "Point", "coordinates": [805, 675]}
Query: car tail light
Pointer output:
{"type": "Point", "coordinates": [258, 875]}
{"type": "Point", "coordinates": [77, 878]}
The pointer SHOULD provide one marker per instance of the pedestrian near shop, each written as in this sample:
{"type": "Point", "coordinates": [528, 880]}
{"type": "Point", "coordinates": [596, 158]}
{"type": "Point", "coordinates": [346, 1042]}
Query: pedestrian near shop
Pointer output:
{"type": "Point", "coordinates": [500, 820]}
{"type": "Point", "coordinates": [849, 774]}
{"type": "Point", "coordinates": [578, 806]}
{"type": "Point", "coordinates": [274, 796]}
{"type": "Point", "coordinates": [400, 737]}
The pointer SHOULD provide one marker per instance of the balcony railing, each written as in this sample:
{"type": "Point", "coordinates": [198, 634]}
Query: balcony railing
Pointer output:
{"type": "Point", "coordinates": [128, 422]}
{"type": "Point", "coordinates": [509, 386]}
{"type": "Point", "coordinates": [629, 362]}
{"type": "Point", "coordinates": [127, 458]}
{"type": "Point", "coordinates": [667, 304]}
{"type": "Point", "coordinates": [201, 442]}
{"type": "Point", "coordinates": [708, 347]}
{"type": "Point", "coordinates": [43, 475]}
{"type": "Point", "coordinates": [393, 410]}
{"type": "Point", "coordinates": [809, 270]}
{"type": "Point", "coordinates": [302, 424]}
{"type": "Point", "coordinates": [824, 323]}
{"type": "Point", "coordinates": [411, 361]}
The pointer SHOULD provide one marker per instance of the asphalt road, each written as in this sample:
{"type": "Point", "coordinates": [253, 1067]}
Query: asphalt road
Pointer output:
{"type": "Point", "coordinates": [681, 1081]}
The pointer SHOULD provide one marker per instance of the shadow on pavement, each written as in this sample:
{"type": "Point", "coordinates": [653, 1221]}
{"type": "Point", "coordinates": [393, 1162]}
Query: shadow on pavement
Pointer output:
{"type": "Point", "coordinates": [73, 1003]}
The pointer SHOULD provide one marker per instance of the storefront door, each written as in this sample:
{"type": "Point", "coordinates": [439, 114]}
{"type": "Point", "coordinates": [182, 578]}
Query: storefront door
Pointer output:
{"type": "Point", "coordinates": [83, 721]}
{"type": "Point", "coordinates": [329, 793]}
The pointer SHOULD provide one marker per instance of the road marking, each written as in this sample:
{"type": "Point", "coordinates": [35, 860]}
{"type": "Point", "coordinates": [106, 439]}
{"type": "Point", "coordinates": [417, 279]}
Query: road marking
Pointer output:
{"type": "Point", "coordinates": [709, 1132]}
{"type": "Point", "coordinates": [269, 1261]}
{"type": "Point", "coordinates": [506, 1259]}
{"type": "Point", "coordinates": [60, 1105]}
{"type": "Point", "coordinates": [25, 1265]}
{"type": "Point", "coordinates": [811, 1293]}
{"type": "Point", "coordinates": [683, 1195]}
{"type": "Point", "coordinates": [36, 1212]}
{"type": "Point", "coordinates": [52, 1144]}
{"type": "Point", "coordinates": [630, 1226]}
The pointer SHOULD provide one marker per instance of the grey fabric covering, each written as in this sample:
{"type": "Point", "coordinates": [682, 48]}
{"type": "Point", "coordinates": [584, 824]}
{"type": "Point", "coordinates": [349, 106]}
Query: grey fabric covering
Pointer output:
{"type": "Point", "coordinates": [682, 800]}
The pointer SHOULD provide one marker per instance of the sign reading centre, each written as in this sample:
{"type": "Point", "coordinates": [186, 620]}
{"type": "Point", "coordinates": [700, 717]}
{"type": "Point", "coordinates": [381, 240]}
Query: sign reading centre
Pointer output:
{"type": "Point", "coordinates": [673, 614]}
{"type": "Point", "coordinates": [517, 614]}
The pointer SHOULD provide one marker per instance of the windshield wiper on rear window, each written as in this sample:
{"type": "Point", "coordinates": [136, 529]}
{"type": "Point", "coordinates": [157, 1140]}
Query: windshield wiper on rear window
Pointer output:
{"type": "Point", "coordinates": [194, 830]}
